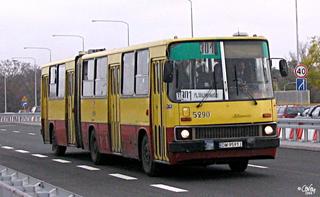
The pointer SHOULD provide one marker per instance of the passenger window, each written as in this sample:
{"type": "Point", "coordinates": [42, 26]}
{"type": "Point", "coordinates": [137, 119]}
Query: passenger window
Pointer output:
{"type": "Point", "coordinates": [128, 74]}
{"type": "Point", "coordinates": [142, 76]}
{"type": "Point", "coordinates": [101, 77]}
{"type": "Point", "coordinates": [53, 82]}
{"type": "Point", "coordinates": [88, 78]}
{"type": "Point", "coordinates": [62, 80]}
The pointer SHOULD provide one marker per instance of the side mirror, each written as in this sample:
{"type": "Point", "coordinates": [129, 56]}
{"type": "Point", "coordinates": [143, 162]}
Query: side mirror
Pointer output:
{"type": "Point", "coordinates": [168, 72]}
{"type": "Point", "coordinates": [283, 68]}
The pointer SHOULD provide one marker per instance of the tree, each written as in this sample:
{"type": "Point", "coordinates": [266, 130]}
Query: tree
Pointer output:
{"type": "Point", "coordinates": [20, 82]}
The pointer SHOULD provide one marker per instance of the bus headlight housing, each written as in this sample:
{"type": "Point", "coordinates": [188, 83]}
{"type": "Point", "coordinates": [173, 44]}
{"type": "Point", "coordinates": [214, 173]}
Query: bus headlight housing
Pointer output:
{"type": "Point", "coordinates": [268, 130]}
{"type": "Point", "coordinates": [183, 133]}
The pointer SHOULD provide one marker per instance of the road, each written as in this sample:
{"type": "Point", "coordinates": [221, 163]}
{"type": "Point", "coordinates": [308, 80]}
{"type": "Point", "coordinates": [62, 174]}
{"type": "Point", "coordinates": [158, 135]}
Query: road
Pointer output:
{"type": "Point", "coordinates": [21, 148]}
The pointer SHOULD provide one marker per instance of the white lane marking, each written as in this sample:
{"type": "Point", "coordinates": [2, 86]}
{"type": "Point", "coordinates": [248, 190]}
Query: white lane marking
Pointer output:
{"type": "Point", "coordinates": [3, 129]}
{"type": "Point", "coordinates": [31, 134]}
{"type": "Point", "coordinates": [256, 166]}
{"type": "Point", "coordinates": [167, 187]}
{"type": "Point", "coordinates": [16, 131]}
{"type": "Point", "coordinates": [87, 167]}
{"type": "Point", "coordinates": [7, 147]}
{"type": "Point", "coordinates": [22, 151]}
{"type": "Point", "coordinates": [39, 155]}
{"type": "Point", "coordinates": [61, 161]}
{"type": "Point", "coordinates": [125, 177]}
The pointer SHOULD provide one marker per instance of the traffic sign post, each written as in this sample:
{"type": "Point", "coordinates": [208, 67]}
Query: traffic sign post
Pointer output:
{"type": "Point", "coordinates": [301, 84]}
{"type": "Point", "coordinates": [301, 71]}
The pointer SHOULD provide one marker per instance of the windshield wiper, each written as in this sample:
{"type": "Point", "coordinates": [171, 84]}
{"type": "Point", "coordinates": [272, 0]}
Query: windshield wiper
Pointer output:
{"type": "Point", "coordinates": [209, 91]}
{"type": "Point", "coordinates": [246, 91]}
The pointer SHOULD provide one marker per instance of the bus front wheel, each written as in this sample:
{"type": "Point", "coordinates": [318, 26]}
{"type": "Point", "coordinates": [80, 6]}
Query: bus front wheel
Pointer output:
{"type": "Point", "coordinates": [148, 165]}
{"type": "Point", "coordinates": [57, 149]}
{"type": "Point", "coordinates": [238, 166]}
{"type": "Point", "coordinates": [94, 150]}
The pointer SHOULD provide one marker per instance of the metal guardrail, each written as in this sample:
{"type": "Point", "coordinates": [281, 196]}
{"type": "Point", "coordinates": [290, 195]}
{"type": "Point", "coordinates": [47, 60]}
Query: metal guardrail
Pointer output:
{"type": "Point", "coordinates": [299, 129]}
{"type": "Point", "coordinates": [295, 129]}
{"type": "Point", "coordinates": [20, 117]}
{"type": "Point", "coordinates": [16, 184]}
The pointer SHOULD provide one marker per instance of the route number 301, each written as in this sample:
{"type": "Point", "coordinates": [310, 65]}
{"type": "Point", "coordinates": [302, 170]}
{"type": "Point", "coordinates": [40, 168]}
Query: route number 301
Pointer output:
{"type": "Point", "coordinates": [201, 114]}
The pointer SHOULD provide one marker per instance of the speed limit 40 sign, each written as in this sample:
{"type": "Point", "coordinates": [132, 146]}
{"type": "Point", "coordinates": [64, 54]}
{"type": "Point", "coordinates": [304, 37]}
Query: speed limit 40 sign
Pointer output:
{"type": "Point", "coordinates": [301, 71]}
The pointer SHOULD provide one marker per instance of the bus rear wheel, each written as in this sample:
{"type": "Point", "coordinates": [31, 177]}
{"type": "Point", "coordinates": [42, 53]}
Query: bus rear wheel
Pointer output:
{"type": "Point", "coordinates": [239, 166]}
{"type": "Point", "coordinates": [57, 149]}
{"type": "Point", "coordinates": [149, 166]}
{"type": "Point", "coordinates": [94, 150]}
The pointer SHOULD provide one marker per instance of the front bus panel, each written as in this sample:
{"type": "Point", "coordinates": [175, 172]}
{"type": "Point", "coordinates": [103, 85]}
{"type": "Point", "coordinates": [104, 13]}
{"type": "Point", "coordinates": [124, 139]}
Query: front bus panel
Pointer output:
{"type": "Point", "coordinates": [223, 93]}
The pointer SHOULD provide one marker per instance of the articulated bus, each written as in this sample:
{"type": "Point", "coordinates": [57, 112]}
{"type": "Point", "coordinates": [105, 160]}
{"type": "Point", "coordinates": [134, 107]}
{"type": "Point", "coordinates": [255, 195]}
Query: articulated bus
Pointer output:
{"type": "Point", "coordinates": [179, 101]}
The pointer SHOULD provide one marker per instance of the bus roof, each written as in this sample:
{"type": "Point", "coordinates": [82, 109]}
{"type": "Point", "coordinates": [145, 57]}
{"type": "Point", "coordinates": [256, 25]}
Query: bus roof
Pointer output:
{"type": "Point", "coordinates": [154, 44]}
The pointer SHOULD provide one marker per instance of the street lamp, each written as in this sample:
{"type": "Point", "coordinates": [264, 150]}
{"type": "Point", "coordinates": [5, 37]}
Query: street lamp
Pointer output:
{"type": "Point", "coordinates": [5, 92]}
{"type": "Point", "coordinates": [78, 36]}
{"type": "Point", "coordinates": [297, 31]}
{"type": "Point", "coordinates": [117, 21]}
{"type": "Point", "coordinates": [41, 48]}
{"type": "Point", "coordinates": [191, 16]}
{"type": "Point", "coordinates": [35, 76]}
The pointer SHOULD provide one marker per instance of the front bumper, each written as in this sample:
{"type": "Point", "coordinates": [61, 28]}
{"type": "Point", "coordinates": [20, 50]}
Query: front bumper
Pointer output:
{"type": "Point", "coordinates": [215, 144]}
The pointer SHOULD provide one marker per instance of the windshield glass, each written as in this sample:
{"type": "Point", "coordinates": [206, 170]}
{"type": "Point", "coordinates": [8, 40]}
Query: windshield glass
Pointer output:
{"type": "Point", "coordinates": [248, 70]}
{"type": "Point", "coordinates": [198, 71]}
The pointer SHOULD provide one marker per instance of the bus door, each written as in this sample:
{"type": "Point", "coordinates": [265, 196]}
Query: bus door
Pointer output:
{"type": "Point", "coordinates": [158, 134]}
{"type": "Point", "coordinates": [70, 108]}
{"type": "Point", "coordinates": [44, 109]}
{"type": "Point", "coordinates": [114, 107]}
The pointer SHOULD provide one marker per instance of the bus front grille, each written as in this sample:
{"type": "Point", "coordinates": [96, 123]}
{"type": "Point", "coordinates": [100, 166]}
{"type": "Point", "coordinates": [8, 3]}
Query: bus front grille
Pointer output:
{"type": "Point", "coordinates": [226, 132]}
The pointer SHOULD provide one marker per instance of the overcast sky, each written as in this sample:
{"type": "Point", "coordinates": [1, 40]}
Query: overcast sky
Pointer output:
{"type": "Point", "coordinates": [32, 22]}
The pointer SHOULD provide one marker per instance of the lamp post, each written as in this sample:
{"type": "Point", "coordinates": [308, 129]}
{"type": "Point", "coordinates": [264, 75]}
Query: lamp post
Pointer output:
{"type": "Point", "coordinates": [191, 17]}
{"type": "Point", "coordinates": [71, 35]}
{"type": "Point", "coordinates": [5, 92]}
{"type": "Point", "coordinates": [35, 76]}
{"type": "Point", "coordinates": [297, 31]}
{"type": "Point", "coordinates": [117, 21]}
{"type": "Point", "coordinates": [41, 48]}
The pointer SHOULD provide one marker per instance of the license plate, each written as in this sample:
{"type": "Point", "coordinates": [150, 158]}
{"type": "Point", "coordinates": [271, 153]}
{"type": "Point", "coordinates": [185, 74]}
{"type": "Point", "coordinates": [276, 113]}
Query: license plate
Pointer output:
{"type": "Point", "coordinates": [230, 144]}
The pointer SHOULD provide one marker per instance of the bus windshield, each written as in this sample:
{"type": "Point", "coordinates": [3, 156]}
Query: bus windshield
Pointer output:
{"type": "Point", "coordinates": [199, 73]}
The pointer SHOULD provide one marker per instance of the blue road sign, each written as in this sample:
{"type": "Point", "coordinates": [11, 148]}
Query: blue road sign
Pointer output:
{"type": "Point", "coordinates": [301, 84]}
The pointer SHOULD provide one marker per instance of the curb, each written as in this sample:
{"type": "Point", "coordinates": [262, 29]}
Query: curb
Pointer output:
{"type": "Point", "coordinates": [300, 145]}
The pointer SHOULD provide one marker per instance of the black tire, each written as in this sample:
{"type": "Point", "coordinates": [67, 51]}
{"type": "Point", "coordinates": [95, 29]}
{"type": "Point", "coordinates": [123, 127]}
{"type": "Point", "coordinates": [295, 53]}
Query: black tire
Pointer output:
{"type": "Point", "coordinates": [95, 154]}
{"type": "Point", "coordinates": [57, 149]}
{"type": "Point", "coordinates": [238, 166]}
{"type": "Point", "coordinates": [149, 166]}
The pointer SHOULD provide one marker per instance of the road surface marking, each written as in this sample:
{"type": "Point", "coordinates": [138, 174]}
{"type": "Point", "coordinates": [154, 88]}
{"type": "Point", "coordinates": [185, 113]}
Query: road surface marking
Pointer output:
{"type": "Point", "coordinates": [39, 155]}
{"type": "Point", "coordinates": [31, 134]}
{"type": "Point", "coordinates": [22, 151]}
{"type": "Point", "coordinates": [61, 161]}
{"type": "Point", "coordinates": [16, 131]}
{"type": "Point", "coordinates": [125, 177]}
{"type": "Point", "coordinates": [167, 187]}
{"type": "Point", "coordinates": [3, 129]}
{"type": "Point", "coordinates": [7, 147]}
{"type": "Point", "coordinates": [256, 166]}
{"type": "Point", "coordinates": [87, 167]}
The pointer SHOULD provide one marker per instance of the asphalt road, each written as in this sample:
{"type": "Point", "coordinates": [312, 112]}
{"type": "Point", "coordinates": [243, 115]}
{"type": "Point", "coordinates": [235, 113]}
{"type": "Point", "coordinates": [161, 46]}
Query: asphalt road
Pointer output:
{"type": "Point", "coordinates": [21, 148]}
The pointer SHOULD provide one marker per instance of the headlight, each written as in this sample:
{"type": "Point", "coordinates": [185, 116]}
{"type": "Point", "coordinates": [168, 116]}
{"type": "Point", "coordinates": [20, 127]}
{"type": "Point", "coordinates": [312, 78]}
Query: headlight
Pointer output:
{"type": "Point", "coordinates": [185, 133]}
{"type": "Point", "coordinates": [268, 130]}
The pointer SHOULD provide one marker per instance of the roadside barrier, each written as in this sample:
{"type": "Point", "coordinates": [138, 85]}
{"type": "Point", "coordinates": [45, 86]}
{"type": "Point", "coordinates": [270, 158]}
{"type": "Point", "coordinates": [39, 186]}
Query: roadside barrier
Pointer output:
{"type": "Point", "coordinates": [20, 117]}
{"type": "Point", "coordinates": [299, 129]}
{"type": "Point", "coordinates": [16, 184]}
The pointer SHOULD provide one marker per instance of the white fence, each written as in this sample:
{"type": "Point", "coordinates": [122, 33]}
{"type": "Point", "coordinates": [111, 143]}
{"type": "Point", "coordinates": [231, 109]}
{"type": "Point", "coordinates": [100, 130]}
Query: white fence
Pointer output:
{"type": "Point", "coordinates": [299, 129]}
{"type": "Point", "coordinates": [20, 117]}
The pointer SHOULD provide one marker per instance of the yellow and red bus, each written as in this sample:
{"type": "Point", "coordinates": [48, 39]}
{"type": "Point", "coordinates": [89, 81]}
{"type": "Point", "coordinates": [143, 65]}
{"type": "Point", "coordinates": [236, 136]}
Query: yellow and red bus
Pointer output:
{"type": "Point", "coordinates": [178, 101]}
